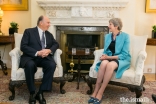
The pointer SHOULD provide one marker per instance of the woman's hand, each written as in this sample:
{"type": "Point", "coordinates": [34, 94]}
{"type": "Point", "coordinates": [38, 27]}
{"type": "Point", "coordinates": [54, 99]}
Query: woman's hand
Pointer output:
{"type": "Point", "coordinates": [105, 57]}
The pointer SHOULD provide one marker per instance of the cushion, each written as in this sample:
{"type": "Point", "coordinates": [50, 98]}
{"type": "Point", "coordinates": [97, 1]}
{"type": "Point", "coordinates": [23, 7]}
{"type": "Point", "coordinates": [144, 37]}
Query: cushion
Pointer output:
{"type": "Point", "coordinates": [18, 38]}
{"type": "Point", "coordinates": [20, 75]}
{"type": "Point", "coordinates": [127, 77]}
{"type": "Point", "coordinates": [138, 43]}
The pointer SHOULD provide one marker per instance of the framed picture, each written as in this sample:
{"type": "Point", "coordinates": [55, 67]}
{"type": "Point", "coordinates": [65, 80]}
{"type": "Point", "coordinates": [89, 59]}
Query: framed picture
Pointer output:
{"type": "Point", "coordinates": [14, 5]}
{"type": "Point", "coordinates": [150, 6]}
{"type": "Point", "coordinates": [87, 51]}
{"type": "Point", "coordinates": [73, 51]}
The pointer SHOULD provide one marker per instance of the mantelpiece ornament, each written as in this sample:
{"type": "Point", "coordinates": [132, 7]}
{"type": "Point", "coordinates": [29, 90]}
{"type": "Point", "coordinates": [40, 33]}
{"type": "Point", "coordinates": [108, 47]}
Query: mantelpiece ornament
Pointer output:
{"type": "Point", "coordinates": [82, 12]}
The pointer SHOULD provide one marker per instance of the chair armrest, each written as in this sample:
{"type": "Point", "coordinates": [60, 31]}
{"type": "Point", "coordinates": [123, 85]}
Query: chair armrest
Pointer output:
{"type": "Point", "coordinates": [97, 54]}
{"type": "Point", "coordinates": [57, 59]}
{"type": "Point", "coordinates": [15, 55]}
{"type": "Point", "coordinates": [139, 66]}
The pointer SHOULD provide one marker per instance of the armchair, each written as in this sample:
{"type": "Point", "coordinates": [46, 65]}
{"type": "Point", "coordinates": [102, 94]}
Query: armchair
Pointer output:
{"type": "Point", "coordinates": [18, 76]}
{"type": "Point", "coordinates": [133, 77]}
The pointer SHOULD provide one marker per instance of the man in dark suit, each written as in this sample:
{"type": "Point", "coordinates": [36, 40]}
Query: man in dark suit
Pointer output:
{"type": "Point", "coordinates": [38, 45]}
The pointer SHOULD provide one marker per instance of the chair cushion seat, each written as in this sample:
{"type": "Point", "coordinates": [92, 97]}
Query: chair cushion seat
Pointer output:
{"type": "Point", "coordinates": [128, 76]}
{"type": "Point", "coordinates": [20, 75]}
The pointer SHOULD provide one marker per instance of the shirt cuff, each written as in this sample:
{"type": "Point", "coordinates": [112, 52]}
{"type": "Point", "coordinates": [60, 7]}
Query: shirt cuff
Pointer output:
{"type": "Point", "coordinates": [51, 53]}
{"type": "Point", "coordinates": [36, 53]}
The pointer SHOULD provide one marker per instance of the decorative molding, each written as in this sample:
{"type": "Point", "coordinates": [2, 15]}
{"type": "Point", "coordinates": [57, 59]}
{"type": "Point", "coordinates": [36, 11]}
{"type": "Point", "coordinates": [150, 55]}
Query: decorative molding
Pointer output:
{"type": "Point", "coordinates": [87, 3]}
{"type": "Point", "coordinates": [55, 8]}
{"type": "Point", "coordinates": [82, 8]}
{"type": "Point", "coordinates": [81, 12]}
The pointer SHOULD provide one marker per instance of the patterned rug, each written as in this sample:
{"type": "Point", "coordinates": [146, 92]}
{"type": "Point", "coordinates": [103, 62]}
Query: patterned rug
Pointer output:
{"type": "Point", "coordinates": [112, 95]}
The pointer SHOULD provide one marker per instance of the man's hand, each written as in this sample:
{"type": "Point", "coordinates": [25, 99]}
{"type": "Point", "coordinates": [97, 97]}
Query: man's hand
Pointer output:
{"type": "Point", "coordinates": [44, 53]}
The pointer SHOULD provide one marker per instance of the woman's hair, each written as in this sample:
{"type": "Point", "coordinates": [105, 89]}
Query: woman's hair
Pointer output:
{"type": "Point", "coordinates": [116, 22]}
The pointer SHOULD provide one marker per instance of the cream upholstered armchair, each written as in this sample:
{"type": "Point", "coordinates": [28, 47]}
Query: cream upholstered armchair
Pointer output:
{"type": "Point", "coordinates": [18, 76]}
{"type": "Point", "coordinates": [133, 77]}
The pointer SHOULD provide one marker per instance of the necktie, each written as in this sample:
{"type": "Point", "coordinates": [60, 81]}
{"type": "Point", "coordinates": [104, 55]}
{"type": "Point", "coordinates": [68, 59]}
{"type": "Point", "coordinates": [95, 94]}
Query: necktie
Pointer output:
{"type": "Point", "coordinates": [43, 41]}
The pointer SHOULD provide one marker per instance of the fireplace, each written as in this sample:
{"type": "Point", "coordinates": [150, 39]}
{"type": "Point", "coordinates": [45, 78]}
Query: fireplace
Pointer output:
{"type": "Point", "coordinates": [84, 18]}
{"type": "Point", "coordinates": [80, 37]}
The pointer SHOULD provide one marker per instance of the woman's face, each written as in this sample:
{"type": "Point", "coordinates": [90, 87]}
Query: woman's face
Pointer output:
{"type": "Point", "coordinates": [111, 27]}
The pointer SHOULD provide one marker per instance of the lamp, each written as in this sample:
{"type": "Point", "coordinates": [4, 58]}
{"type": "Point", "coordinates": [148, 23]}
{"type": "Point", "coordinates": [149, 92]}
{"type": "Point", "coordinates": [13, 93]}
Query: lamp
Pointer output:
{"type": "Point", "coordinates": [1, 14]}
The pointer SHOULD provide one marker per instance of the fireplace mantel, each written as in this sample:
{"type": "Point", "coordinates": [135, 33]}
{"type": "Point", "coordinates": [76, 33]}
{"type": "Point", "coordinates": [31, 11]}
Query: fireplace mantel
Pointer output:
{"type": "Point", "coordinates": [50, 4]}
{"type": "Point", "coordinates": [81, 12]}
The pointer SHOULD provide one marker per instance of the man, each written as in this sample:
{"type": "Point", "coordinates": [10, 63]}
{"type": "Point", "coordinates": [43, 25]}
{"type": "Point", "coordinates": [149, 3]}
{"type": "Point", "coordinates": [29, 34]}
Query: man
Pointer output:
{"type": "Point", "coordinates": [38, 45]}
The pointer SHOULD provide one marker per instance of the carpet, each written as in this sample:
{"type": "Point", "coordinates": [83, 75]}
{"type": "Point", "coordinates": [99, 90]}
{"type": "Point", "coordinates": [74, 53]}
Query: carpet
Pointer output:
{"type": "Point", "coordinates": [112, 95]}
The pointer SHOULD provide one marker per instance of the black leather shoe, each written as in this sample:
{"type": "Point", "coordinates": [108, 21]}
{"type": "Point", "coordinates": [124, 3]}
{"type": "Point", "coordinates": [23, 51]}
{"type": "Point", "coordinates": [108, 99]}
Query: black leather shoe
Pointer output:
{"type": "Point", "coordinates": [154, 97]}
{"type": "Point", "coordinates": [32, 100]}
{"type": "Point", "coordinates": [40, 98]}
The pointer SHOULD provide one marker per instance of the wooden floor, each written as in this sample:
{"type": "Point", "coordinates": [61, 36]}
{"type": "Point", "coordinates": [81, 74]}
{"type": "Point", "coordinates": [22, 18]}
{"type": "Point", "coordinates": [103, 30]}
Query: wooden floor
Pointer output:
{"type": "Point", "coordinates": [150, 77]}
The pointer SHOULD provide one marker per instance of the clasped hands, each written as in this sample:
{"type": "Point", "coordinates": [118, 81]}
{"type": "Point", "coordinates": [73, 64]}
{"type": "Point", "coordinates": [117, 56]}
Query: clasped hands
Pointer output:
{"type": "Point", "coordinates": [105, 57]}
{"type": "Point", "coordinates": [44, 53]}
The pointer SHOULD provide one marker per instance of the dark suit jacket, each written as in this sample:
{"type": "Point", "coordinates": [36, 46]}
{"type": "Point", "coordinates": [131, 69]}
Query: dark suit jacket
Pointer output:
{"type": "Point", "coordinates": [31, 43]}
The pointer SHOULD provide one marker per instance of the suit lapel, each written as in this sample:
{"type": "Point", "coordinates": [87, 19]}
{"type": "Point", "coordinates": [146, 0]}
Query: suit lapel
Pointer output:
{"type": "Point", "coordinates": [37, 36]}
{"type": "Point", "coordinates": [108, 41]}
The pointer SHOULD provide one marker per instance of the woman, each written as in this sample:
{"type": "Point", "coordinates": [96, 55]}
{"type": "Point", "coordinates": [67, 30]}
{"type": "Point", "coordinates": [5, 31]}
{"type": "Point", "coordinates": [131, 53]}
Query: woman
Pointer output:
{"type": "Point", "coordinates": [116, 57]}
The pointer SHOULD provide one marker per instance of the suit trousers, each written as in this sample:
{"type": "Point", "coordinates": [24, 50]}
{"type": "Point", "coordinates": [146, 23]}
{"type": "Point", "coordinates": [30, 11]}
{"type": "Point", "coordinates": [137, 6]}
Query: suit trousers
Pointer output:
{"type": "Point", "coordinates": [30, 69]}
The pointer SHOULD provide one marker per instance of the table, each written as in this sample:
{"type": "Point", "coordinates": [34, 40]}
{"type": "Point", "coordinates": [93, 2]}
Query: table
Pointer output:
{"type": "Point", "coordinates": [152, 42]}
{"type": "Point", "coordinates": [79, 54]}
{"type": "Point", "coordinates": [4, 40]}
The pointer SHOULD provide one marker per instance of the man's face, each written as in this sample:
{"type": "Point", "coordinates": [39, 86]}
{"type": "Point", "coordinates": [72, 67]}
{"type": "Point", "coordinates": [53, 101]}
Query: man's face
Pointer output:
{"type": "Point", "coordinates": [45, 23]}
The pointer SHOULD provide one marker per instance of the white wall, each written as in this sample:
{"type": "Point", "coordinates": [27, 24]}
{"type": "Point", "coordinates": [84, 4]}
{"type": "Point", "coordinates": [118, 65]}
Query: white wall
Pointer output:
{"type": "Point", "coordinates": [144, 21]}
{"type": "Point", "coordinates": [23, 19]}
{"type": "Point", "coordinates": [128, 17]}
{"type": "Point", "coordinates": [135, 21]}
{"type": "Point", "coordinates": [36, 11]}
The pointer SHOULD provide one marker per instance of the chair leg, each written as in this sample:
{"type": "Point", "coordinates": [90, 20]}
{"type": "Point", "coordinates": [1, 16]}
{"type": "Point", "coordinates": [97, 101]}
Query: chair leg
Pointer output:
{"type": "Point", "coordinates": [60, 80]}
{"type": "Point", "coordinates": [89, 83]}
{"type": "Point", "coordinates": [12, 85]}
{"type": "Point", "coordinates": [3, 66]}
{"type": "Point", "coordinates": [62, 83]}
{"type": "Point", "coordinates": [12, 89]}
{"type": "Point", "coordinates": [138, 92]}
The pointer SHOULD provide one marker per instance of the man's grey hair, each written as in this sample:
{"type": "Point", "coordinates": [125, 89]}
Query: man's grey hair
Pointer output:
{"type": "Point", "coordinates": [116, 22]}
{"type": "Point", "coordinates": [39, 19]}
